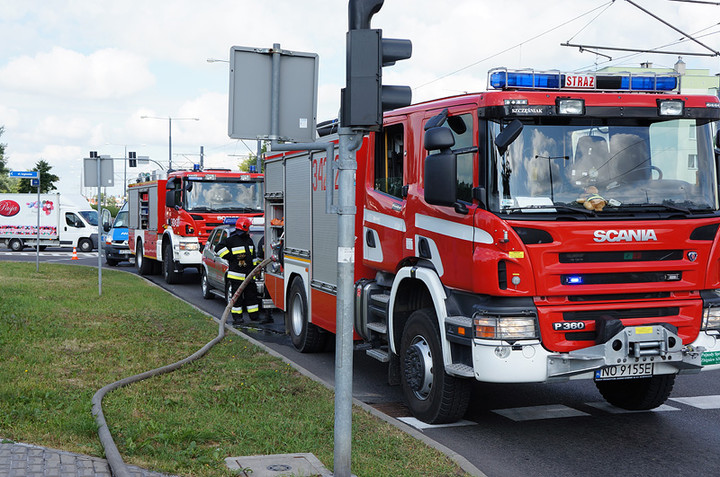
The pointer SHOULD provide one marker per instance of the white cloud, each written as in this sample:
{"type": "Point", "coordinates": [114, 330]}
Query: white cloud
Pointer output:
{"type": "Point", "coordinates": [107, 73]}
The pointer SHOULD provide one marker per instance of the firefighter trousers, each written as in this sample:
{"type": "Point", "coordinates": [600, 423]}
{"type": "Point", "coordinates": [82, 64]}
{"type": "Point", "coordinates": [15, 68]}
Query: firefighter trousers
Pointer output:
{"type": "Point", "coordinates": [248, 300]}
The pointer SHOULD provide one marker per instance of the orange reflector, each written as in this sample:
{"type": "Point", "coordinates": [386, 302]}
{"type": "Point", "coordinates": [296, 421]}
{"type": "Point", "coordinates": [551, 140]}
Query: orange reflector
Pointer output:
{"type": "Point", "coordinates": [461, 330]}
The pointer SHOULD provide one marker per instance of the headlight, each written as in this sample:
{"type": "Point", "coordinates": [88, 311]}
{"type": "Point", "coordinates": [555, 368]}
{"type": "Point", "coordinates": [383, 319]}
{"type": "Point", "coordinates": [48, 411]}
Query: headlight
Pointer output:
{"type": "Point", "coordinates": [711, 318]}
{"type": "Point", "coordinates": [189, 246]}
{"type": "Point", "coordinates": [505, 328]}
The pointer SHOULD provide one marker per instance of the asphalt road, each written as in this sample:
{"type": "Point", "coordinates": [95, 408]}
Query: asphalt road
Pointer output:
{"type": "Point", "coordinates": [549, 430]}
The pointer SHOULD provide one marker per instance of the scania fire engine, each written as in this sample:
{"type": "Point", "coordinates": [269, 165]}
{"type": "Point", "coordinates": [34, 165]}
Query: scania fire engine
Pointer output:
{"type": "Point", "coordinates": [171, 216]}
{"type": "Point", "coordinates": [556, 227]}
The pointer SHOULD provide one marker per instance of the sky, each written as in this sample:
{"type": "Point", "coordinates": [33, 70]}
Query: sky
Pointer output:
{"type": "Point", "coordinates": [77, 75]}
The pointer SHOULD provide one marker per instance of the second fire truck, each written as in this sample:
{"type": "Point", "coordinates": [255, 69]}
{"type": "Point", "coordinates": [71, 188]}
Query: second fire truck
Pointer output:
{"type": "Point", "coordinates": [557, 227]}
{"type": "Point", "coordinates": [171, 216]}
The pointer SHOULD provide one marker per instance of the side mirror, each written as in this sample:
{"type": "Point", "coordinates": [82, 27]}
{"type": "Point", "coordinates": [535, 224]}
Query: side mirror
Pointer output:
{"type": "Point", "coordinates": [170, 198]}
{"type": "Point", "coordinates": [106, 227]}
{"type": "Point", "coordinates": [508, 135]}
{"type": "Point", "coordinates": [171, 184]}
{"type": "Point", "coordinates": [440, 168]}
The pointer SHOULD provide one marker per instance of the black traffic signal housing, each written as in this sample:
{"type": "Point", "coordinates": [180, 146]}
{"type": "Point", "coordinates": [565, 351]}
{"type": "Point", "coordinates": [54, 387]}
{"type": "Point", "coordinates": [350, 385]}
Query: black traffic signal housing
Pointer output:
{"type": "Point", "coordinates": [364, 97]}
{"type": "Point", "coordinates": [132, 159]}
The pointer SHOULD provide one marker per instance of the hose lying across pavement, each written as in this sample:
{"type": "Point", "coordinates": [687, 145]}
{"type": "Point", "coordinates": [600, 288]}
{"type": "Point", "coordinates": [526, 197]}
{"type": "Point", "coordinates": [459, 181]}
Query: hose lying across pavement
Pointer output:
{"type": "Point", "coordinates": [117, 465]}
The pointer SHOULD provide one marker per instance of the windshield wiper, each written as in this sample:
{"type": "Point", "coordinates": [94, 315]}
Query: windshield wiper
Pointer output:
{"type": "Point", "coordinates": [549, 208]}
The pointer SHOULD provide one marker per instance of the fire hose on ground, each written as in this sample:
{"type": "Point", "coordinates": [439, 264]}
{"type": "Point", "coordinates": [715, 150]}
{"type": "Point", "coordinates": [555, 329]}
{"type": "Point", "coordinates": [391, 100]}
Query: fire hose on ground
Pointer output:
{"type": "Point", "coordinates": [115, 461]}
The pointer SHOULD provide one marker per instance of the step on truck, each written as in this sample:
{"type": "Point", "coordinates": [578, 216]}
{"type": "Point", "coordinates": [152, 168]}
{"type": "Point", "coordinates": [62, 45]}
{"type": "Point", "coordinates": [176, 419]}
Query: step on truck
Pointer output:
{"type": "Point", "coordinates": [65, 221]}
{"type": "Point", "coordinates": [556, 227]}
{"type": "Point", "coordinates": [171, 215]}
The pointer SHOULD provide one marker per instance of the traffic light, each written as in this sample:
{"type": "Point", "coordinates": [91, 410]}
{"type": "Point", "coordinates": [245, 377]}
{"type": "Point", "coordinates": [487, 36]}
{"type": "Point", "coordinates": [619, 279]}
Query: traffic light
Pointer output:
{"type": "Point", "coordinates": [364, 97]}
{"type": "Point", "coordinates": [132, 159]}
{"type": "Point", "coordinates": [93, 154]}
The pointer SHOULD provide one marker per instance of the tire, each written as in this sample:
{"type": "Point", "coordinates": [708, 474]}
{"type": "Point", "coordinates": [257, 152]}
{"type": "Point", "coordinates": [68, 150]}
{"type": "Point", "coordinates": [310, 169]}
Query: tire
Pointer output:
{"type": "Point", "coordinates": [306, 337]}
{"type": "Point", "coordinates": [638, 394]}
{"type": "Point", "coordinates": [16, 245]}
{"type": "Point", "coordinates": [171, 276]}
{"type": "Point", "coordinates": [111, 262]}
{"type": "Point", "coordinates": [228, 295]}
{"type": "Point", "coordinates": [205, 285]}
{"type": "Point", "coordinates": [42, 248]}
{"type": "Point", "coordinates": [85, 245]}
{"type": "Point", "coordinates": [144, 265]}
{"type": "Point", "coordinates": [432, 395]}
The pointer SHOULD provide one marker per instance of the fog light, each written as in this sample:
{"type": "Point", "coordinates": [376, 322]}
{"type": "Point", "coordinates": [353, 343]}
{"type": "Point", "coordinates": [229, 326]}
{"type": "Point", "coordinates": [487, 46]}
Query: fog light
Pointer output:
{"type": "Point", "coordinates": [502, 352]}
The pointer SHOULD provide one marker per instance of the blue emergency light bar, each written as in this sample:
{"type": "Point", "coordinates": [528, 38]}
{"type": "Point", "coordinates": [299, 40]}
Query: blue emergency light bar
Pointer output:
{"type": "Point", "coordinates": [230, 220]}
{"type": "Point", "coordinates": [502, 78]}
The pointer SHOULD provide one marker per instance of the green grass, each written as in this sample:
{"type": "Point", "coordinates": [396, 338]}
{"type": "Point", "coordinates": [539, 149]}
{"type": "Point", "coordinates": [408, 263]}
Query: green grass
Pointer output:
{"type": "Point", "coordinates": [60, 343]}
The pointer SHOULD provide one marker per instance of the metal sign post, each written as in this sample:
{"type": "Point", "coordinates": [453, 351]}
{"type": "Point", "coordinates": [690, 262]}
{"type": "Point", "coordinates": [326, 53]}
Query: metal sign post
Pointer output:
{"type": "Point", "coordinates": [103, 176]}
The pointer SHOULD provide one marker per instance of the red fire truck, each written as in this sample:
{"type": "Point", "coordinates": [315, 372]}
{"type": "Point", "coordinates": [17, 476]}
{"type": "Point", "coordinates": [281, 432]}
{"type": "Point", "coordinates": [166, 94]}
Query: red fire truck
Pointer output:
{"type": "Point", "coordinates": [557, 227]}
{"type": "Point", "coordinates": [171, 216]}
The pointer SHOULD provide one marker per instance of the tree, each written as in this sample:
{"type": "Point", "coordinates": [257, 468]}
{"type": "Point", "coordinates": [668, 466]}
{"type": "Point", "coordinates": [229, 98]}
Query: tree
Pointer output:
{"type": "Point", "coordinates": [47, 179]}
{"type": "Point", "coordinates": [6, 183]}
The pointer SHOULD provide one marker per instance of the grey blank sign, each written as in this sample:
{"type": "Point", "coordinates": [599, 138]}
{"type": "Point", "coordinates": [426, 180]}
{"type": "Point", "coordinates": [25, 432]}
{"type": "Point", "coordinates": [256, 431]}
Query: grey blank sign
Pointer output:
{"type": "Point", "coordinates": [250, 112]}
{"type": "Point", "coordinates": [107, 172]}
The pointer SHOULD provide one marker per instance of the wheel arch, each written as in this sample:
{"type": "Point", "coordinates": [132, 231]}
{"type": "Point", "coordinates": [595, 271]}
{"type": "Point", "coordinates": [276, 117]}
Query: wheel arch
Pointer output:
{"type": "Point", "coordinates": [415, 288]}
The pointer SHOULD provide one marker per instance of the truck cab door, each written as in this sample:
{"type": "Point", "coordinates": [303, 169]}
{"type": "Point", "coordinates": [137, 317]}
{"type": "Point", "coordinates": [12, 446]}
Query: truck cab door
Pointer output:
{"type": "Point", "coordinates": [386, 184]}
{"type": "Point", "coordinates": [444, 235]}
{"type": "Point", "coordinates": [73, 228]}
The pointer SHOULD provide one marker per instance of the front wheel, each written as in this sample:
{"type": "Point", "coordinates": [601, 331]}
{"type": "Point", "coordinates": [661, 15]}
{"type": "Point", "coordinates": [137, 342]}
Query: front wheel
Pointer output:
{"type": "Point", "coordinates": [637, 394]}
{"type": "Point", "coordinates": [432, 395]}
{"type": "Point", "coordinates": [85, 245]}
{"type": "Point", "coordinates": [111, 262]}
{"type": "Point", "coordinates": [306, 337]}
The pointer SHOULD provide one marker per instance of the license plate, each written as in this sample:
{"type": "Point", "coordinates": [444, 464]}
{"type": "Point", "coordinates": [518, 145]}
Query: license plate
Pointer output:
{"type": "Point", "coordinates": [124, 252]}
{"type": "Point", "coordinates": [623, 371]}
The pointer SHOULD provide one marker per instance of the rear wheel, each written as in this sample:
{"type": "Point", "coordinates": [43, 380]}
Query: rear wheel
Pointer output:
{"type": "Point", "coordinates": [16, 245]}
{"type": "Point", "coordinates": [432, 395]}
{"type": "Point", "coordinates": [169, 273]}
{"type": "Point", "coordinates": [144, 265]}
{"type": "Point", "coordinates": [205, 285]}
{"type": "Point", "coordinates": [306, 337]}
{"type": "Point", "coordinates": [637, 394]}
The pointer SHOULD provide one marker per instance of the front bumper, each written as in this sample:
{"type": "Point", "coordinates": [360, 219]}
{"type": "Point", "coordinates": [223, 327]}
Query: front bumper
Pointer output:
{"type": "Point", "coordinates": [528, 362]}
{"type": "Point", "coordinates": [117, 252]}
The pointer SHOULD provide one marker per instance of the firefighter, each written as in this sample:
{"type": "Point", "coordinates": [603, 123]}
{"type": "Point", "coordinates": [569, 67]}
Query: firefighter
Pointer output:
{"type": "Point", "coordinates": [238, 249]}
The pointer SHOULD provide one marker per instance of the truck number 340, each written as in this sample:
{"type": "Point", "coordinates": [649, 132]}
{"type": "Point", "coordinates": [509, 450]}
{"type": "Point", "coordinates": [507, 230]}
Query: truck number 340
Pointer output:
{"type": "Point", "coordinates": [319, 177]}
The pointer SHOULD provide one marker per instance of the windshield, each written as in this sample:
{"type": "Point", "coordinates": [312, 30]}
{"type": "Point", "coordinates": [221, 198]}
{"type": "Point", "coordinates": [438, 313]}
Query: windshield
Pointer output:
{"type": "Point", "coordinates": [90, 216]}
{"type": "Point", "coordinates": [606, 165]}
{"type": "Point", "coordinates": [224, 196]}
{"type": "Point", "coordinates": [121, 220]}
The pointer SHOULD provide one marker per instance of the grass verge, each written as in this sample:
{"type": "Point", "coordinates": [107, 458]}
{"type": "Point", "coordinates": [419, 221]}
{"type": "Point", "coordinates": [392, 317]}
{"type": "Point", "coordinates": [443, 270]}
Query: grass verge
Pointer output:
{"type": "Point", "coordinates": [60, 343]}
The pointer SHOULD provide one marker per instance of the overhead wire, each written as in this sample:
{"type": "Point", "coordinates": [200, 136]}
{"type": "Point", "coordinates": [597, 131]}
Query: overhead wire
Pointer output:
{"type": "Point", "coordinates": [605, 5]}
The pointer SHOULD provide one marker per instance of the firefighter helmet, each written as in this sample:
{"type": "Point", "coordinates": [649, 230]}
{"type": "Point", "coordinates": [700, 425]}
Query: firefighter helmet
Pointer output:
{"type": "Point", "coordinates": [243, 223]}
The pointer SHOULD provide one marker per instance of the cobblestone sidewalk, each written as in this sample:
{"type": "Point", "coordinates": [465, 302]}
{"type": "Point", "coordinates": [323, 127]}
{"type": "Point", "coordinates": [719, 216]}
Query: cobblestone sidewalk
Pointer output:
{"type": "Point", "coordinates": [25, 460]}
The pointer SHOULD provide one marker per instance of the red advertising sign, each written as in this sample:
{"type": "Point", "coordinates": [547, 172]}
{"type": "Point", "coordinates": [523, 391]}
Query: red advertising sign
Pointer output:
{"type": "Point", "coordinates": [8, 208]}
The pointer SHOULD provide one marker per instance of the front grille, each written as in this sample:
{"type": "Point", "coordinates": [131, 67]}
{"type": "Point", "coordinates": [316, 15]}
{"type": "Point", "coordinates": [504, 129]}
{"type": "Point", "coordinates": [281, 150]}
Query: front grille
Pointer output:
{"type": "Point", "coordinates": [620, 256]}
{"type": "Point", "coordinates": [620, 278]}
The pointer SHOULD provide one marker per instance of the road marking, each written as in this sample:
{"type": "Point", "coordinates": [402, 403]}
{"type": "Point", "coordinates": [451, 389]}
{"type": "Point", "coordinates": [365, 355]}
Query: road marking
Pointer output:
{"type": "Point", "coordinates": [700, 402]}
{"type": "Point", "coordinates": [49, 254]}
{"type": "Point", "coordinates": [533, 413]}
{"type": "Point", "coordinates": [418, 424]}
{"type": "Point", "coordinates": [607, 407]}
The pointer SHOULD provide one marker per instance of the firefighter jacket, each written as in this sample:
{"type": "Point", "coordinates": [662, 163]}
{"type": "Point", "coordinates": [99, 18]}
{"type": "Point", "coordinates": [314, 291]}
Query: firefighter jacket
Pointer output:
{"type": "Point", "coordinates": [238, 249]}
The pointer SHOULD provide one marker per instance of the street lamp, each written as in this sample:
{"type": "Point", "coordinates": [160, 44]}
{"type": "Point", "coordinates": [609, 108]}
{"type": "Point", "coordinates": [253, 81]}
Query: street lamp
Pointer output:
{"type": "Point", "coordinates": [170, 120]}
